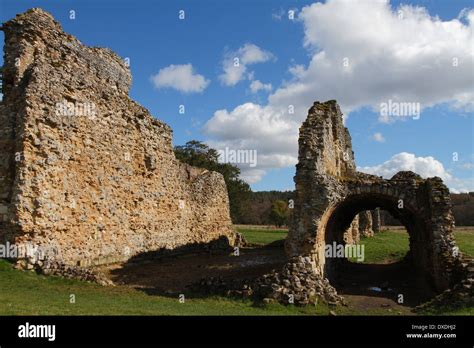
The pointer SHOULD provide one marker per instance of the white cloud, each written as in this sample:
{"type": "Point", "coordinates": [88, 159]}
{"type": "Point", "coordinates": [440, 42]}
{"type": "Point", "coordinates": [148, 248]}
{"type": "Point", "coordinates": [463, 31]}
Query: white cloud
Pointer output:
{"type": "Point", "coordinates": [181, 78]}
{"type": "Point", "coordinates": [408, 59]}
{"type": "Point", "coordinates": [252, 176]}
{"type": "Point", "coordinates": [251, 126]}
{"type": "Point", "coordinates": [235, 63]}
{"type": "Point", "coordinates": [387, 57]}
{"type": "Point", "coordinates": [378, 137]}
{"type": "Point", "coordinates": [426, 167]}
{"type": "Point", "coordinates": [257, 85]}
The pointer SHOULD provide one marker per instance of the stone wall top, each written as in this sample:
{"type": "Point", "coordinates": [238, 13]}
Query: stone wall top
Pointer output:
{"type": "Point", "coordinates": [35, 32]}
{"type": "Point", "coordinates": [325, 143]}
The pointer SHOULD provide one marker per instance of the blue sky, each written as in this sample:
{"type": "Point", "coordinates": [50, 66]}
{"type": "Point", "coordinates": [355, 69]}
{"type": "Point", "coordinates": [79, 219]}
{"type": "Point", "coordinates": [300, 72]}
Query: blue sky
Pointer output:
{"type": "Point", "coordinates": [152, 36]}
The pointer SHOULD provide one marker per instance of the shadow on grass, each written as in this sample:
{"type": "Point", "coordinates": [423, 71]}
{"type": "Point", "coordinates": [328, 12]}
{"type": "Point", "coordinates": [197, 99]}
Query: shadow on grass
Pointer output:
{"type": "Point", "coordinates": [383, 280]}
{"type": "Point", "coordinates": [173, 274]}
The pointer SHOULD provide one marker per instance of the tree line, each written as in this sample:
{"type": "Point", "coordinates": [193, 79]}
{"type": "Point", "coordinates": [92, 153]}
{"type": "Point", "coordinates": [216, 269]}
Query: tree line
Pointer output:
{"type": "Point", "coordinates": [273, 207]}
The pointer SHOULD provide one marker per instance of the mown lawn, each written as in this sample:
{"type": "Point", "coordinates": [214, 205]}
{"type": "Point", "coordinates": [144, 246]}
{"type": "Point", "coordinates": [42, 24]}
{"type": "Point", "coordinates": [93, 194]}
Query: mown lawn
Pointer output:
{"type": "Point", "coordinates": [29, 293]}
{"type": "Point", "coordinates": [393, 245]}
{"type": "Point", "coordinates": [262, 236]}
{"type": "Point", "coordinates": [465, 242]}
{"type": "Point", "coordinates": [384, 246]}
{"type": "Point", "coordinates": [26, 293]}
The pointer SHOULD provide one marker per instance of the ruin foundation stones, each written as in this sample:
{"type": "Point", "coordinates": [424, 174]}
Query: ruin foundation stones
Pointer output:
{"type": "Point", "coordinates": [87, 175]}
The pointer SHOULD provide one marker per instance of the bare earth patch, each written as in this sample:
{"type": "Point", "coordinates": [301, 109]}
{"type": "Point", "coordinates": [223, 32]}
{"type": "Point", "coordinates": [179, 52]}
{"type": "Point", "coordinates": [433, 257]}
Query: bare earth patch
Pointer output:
{"type": "Point", "coordinates": [171, 276]}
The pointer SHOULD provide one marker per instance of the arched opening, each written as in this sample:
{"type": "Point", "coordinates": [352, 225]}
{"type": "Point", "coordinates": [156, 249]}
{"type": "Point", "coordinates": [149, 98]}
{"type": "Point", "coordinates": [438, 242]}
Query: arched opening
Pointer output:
{"type": "Point", "coordinates": [416, 266]}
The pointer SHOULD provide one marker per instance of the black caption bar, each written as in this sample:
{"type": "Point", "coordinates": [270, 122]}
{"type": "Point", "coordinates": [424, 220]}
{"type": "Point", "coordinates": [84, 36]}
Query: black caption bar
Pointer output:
{"type": "Point", "coordinates": [45, 331]}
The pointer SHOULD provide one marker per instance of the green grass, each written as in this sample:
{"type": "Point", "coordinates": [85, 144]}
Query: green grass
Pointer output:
{"type": "Point", "coordinates": [465, 242]}
{"type": "Point", "coordinates": [448, 311]}
{"type": "Point", "coordinates": [385, 246]}
{"type": "Point", "coordinates": [26, 293]}
{"type": "Point", "coordinates": [393, 245]}
{"type": "Point", "coordinates": [262, 236]}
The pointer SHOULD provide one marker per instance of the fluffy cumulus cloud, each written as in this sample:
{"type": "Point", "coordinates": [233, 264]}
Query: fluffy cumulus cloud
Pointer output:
{"type": "Point", "coordinates": [426, 167]}
{"type": "Point", "coordinates": [181, 78]}
{"type": "Point", "coordinates": [362, 53]}
{"type": "Point", "coordinates": [235, 63]}
{"type": "Point", "coordinates": [379, 54]}
{"type": "Point", "coordinates": [252, 176]}
{"type": "Point", "coordinates": [256, 86]}
{"type": "Point", "coordinates": [246, 128]}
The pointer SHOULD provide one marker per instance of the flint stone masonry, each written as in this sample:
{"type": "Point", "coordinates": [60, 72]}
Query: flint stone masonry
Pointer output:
{"type": "Point", "coordinates": [330, 193]}
{"type": "Point", "coordinates": [376, 222]}
{"type": "Point", "coordinates": [85, 172]}
{"type": "Point", "coordinates": [295, 284]}
{"type": "Point", "coordinates": [365, 224]}
{"type": "Point", "coordinates": [352, 234]}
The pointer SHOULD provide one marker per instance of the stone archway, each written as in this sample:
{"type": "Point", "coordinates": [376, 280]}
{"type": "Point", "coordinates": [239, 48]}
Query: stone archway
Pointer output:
{"type": "Point", "coordinates": [421, 242]}
{"type": "Point", "coordinates": [330, 192]}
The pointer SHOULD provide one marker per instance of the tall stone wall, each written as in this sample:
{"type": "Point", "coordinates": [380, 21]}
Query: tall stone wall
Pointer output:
{"type": "Point", "coordinates": [85, 172]}
{"type": "Point", "coordinates": [325, 155]}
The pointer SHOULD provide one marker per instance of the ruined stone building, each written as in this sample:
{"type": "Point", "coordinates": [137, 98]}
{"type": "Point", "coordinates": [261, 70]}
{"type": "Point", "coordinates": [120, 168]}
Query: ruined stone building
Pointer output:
{"type": "Point", "coordinates": [86, 173]}
{"type": "Point", "coordinates": [330, 193]}
{"type": "Point", "coordinates": [331, 200]}
{"type": "Point", "coordinates": [90, 177]}
{"type": "Point", "coordinates": [364, 224]}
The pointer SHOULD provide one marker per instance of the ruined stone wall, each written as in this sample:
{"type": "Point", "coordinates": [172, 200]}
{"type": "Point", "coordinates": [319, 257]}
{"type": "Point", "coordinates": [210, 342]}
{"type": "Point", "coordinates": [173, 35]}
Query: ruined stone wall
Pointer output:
{"type": "Point", "coordinates": [365, 224]}
{"type": "Point", "coordinates": [376, 221]}
{"type": "Point", "coordinates": [352, 234]}
{"type": "Point", "coordinates": [330, 193]}
{"type": "Point", "coordinates": [85, 171]}
{"type": "Point", "coordinates": [325, 156]}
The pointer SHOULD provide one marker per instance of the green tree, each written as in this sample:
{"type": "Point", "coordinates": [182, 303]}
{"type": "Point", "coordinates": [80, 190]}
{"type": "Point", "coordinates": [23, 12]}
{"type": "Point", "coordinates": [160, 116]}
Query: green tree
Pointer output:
{"type": "Point", "coordinates": [279, 213]}
{"type": "Point", "coordinates": [200, 155]}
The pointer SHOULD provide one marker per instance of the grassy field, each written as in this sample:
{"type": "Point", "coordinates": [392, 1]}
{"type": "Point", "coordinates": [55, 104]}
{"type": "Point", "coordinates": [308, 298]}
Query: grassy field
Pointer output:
{"type": "Point", "coordinates": [388, 245]}
{"type": "Point", "coordinates": [385, 246]}
{"type": "Point", "coordinates": [263, 236]}
{"type": "Point", "coordinates": [465, 241]}
{"type": "Point", "coordinates": [26, 293]}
